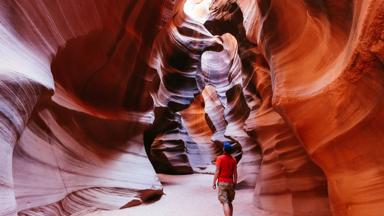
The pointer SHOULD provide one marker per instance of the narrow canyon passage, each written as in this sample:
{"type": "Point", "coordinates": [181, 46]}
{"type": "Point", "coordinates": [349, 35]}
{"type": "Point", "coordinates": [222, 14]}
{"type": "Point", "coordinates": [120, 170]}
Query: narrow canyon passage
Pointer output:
{"type": "Point", "coordinates": [98, 97]}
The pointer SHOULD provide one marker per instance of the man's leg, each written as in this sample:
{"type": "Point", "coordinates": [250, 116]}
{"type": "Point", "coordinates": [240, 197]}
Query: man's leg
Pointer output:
{"type": "Point", "coordinates": [227, 209]}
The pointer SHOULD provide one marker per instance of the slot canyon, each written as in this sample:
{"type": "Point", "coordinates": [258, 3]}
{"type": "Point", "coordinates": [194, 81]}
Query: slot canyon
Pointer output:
{"type": "Point", "coordinates": [107, 106]}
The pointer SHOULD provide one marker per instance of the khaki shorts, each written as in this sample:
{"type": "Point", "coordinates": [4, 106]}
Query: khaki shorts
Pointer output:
{"type": "Point", "coordinates": [226, 192]}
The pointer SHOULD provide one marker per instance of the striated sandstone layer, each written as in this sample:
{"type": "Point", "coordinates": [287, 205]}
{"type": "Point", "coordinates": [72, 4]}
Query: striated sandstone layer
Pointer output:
{"type": "Point", "coordinates": [189, 57]}
{"type": "Point", "coordinates": [289, 183]}
{"type": "Point", "coordinates": [71, 122]}
{"type": "Point", "coordinates": [327, 81]}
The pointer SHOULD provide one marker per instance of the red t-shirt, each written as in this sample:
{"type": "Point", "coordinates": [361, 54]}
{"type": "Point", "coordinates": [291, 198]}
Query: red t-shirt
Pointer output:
{"type": "Point", "coordinates": [226, 165]}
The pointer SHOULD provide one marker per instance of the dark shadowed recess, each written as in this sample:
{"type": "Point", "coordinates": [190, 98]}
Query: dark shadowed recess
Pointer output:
{"type": "Point", "coordinates": [106, 68]}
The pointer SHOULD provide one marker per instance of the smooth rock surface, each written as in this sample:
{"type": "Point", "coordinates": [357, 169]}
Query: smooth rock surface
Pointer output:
{"type": "Point", "coordinates": [194, 197]}
{"type": "Point", "coordinates": [327, 84]}
{"type": "Point", "coordinates": [81, 148]}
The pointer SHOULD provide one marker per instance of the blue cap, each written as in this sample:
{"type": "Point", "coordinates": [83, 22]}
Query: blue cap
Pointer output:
{"type": "Point", "coordinates": [227, 146]}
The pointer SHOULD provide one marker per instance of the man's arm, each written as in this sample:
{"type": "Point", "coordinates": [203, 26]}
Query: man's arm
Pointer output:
{"type": "Point", "coordinates": [235, 176]}
{"type": "Point", "coordinates": [216, 174]}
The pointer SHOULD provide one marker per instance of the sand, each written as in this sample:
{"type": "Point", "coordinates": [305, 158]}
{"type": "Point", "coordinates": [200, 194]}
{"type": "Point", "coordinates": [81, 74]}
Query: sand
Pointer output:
{"type": "Point", "coordinates": [188, 195]}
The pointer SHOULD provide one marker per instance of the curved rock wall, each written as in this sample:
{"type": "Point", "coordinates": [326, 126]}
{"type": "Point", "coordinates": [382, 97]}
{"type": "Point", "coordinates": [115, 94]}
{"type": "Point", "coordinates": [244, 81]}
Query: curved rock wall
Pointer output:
{"type": "Point", "coordinates": [188, 57]}
{"type": "Point", "coordinates": [81, 149]}
{"type": "Point", "coordinates": [75, 162]}
{"type": "Point", "coordinates": [327, 81]}
{"type": "Point", "coordinates": [18, 98]}
{"type": "Point", "coordinates": [289, 183]}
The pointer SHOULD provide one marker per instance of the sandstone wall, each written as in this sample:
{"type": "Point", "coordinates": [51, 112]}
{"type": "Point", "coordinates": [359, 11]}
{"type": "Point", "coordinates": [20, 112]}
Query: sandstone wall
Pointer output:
{"type": "Point", "coordinates": [327, 85]}
{"type": "Point", "coordinates": [71, 124]}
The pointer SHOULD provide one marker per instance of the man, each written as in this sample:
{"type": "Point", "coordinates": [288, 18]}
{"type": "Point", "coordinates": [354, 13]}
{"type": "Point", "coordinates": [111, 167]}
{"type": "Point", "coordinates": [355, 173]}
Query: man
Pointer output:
{"type": "Point", "coordinates": [226, 178]}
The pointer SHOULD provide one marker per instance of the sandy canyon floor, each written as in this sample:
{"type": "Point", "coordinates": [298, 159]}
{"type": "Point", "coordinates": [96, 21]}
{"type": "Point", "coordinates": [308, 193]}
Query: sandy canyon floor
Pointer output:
{"type": "Point", "coordinates": [189, 195]}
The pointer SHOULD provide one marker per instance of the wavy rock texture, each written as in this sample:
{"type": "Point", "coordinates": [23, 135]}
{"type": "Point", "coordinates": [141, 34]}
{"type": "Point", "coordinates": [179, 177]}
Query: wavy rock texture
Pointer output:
{"type": "Point", "coordinates": [81, 149]}
{"type": "Point", "coordinates": [83, 82]}
{"type": "Point", "coordinates": [188, 57]}
{"type": "Point", "coordinates": [289, 183]}
{"type": "Point", "coordinates": [18, 97]}
{"type": "Point", "coordinates": [199, 130]}
{"type": "Point", "coordinates": [327, 84]}
{"type": "Point", "coordinates": [81, 162]}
